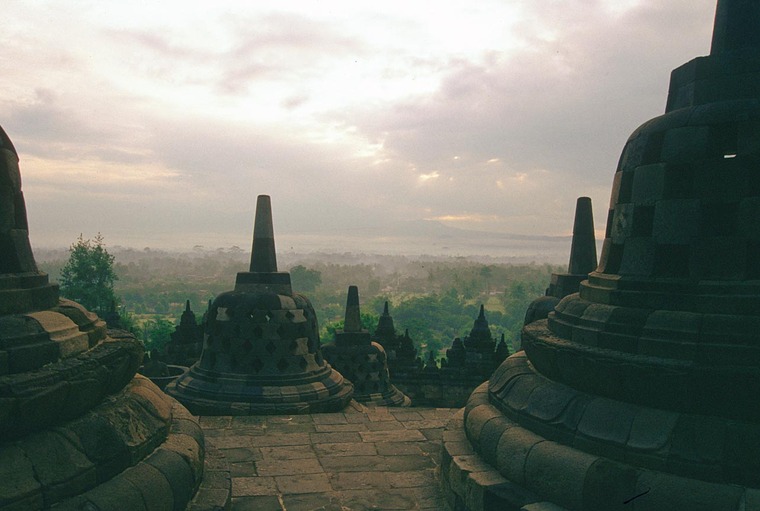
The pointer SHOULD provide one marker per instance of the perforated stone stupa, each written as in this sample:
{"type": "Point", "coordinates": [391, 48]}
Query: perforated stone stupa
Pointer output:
{"type": "Point", "coordinates": [402, 355]}
{"type": "Point", "coordinates": [78, 429]}
{"type": "Point", "coordinates": [261, 351]}
{"type": "Point", "coordinates": [186, 344]}
{"type": "Point", "coordinates": [362, 361]}
{"type": "Point", "coordinates": [642, 391]}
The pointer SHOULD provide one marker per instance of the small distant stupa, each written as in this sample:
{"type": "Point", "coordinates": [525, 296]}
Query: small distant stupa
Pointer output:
{"type": "Point", "coordinates": [362, 361]}
{"type": "Point", "coordinates": [582, 262]}
{"type": "Point", "coordinates": [261, 352]}
{"type": "Point", "coordinates": [402, 355]}
{"type": "Point", "coordinates": [186, 344]}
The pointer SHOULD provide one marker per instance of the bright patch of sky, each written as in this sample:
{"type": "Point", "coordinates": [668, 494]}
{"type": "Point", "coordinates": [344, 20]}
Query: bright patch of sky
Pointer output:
{"type": "Point", "coordinates": [158, 123]}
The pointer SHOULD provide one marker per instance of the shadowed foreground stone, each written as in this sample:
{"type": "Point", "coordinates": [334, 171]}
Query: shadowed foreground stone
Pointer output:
{"type": "Point", "coordinates": [362, 361]}
{"type": "Point", "coordinates": [261, 352]}
{"type": "Point", "coordinates": [78, 429]}
{"type": "Point", "coordinates": [641, 391]}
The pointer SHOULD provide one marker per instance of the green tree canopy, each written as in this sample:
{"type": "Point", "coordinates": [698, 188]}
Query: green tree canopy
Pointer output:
{"type": "Point", "coordinates": [157, 333]}
{"type": "Point", "coordinates": [305, 279]}
{"type": "Point", "coordinates": [88, 275]}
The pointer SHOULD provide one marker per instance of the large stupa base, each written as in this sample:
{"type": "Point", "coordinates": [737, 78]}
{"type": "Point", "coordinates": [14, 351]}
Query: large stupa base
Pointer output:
{"type": "Point", "coordinates": [209, 393]}
{"type": "Point", "coordinates": [550, 447]}
{"type": "Point", "coordinates": [138, 449]}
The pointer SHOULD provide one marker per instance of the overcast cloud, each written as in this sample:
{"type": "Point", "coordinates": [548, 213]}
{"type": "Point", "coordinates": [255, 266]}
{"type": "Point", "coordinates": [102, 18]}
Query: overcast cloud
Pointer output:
{"type": "Point", "coordinates": [159, 125]}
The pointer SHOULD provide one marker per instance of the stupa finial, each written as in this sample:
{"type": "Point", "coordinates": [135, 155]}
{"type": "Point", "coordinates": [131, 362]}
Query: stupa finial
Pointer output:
{"type": "Point", "coordinates": [583, 249]}
{"type": "Point", "coordinates": [263, 256]}
{"type": "Point", "coordinates": [263, 272]}
{"type": "Point", "coordinates": [737, 26]}
{"type": "Point", "coordinates": [353, 321]}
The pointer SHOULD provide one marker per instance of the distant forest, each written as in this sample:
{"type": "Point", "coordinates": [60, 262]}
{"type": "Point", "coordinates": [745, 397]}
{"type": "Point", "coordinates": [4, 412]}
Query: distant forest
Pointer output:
{"type": "Point", "coordinates": [435, 298]}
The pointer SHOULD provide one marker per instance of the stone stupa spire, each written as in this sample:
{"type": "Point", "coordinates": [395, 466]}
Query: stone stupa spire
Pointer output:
{"type": "Point", "coordinates": [353, 320]}
{"type": "Point", "coordinates": [263, 255]}
{"type": "Point", "coordinates": [737, 27]}
{"type": "Point", "coordinates": [583, 247]}
{"type": "Point", "coordinates": [262, 274]}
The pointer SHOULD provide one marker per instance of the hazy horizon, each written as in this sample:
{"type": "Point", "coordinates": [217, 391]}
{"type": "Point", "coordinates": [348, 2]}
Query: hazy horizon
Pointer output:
{"type": "Point", "coordinates": [554, 250]}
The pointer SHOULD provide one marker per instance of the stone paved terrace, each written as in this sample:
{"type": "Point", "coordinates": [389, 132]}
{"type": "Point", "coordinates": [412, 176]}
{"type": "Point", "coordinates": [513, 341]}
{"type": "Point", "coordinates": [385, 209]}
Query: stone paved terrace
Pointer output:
{"type": "Point", "coordinates": [360, 459]}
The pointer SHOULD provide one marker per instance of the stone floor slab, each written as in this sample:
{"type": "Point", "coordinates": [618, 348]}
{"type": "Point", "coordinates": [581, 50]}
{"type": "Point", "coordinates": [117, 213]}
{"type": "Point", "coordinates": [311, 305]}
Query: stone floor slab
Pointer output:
{"type": "Point", "coordinates": [287, 452]}
{"type": "Point", "coordinates": [346, 449]}
{"type": "Point", "coordinates": [253, 486]}
{"type": "Point", "coordinates": [365, 458]}
{"type": "Point", "coordinates": [305, 483]}
{"type": "Point", "coordinates": [288, 467]}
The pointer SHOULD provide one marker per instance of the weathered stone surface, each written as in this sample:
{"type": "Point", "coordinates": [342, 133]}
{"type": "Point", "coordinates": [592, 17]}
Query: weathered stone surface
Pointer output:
{"type": "Point", "coordinates": [304, 472]}
{"type": "Point", "coordinates": [19, 489]}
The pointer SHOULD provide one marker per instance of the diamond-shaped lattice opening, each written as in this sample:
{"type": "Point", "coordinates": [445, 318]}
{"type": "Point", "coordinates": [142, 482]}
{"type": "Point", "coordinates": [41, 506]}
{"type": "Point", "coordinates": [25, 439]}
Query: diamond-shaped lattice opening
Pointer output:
{"type": "Point", "coordinates": [270, 347]}
{"type": "Point", "coordinates": [258, 333]}
{"type": "Point", "coordinates": [257, 364]}
{"type": "Point", "coordinates": [303, 364]}
{"type": "Point", "coordinates": [289, 315]}
{"type": "Point", "coordinates": [302, 330]}
{"type": "Point", "coordinates": [269, 316]}
{"type": "Point", "coordinates": [282, 364]}
{"type": "Point", "coordinates": [281, 330]}
{"type": "Point", "coordinates": [293, 346]}
{"type": "Point", "coordinates": [247, 346]}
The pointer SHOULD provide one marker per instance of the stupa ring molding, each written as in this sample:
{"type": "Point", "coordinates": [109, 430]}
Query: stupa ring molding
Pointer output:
{"type": "Point", "coordinates": [679, 385]}
{"type": "Point", "coordinates": [725, 451]}
{"type": "Point", "coordinates": [153, 461]}
{"type": "Point", "coordinates": [65, 389]}
{"type": "Point", "coordinates": [518, 465]}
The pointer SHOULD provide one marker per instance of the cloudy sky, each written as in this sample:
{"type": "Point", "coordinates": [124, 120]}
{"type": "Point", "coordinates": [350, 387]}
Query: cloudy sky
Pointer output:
{"type": "Point", "coordinates": [158, 123]}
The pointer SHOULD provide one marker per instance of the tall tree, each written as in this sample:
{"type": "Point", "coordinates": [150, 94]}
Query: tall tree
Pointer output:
{"type": "Point", "coordinates": [305, 279]}
{"type": "Point", "coordinates": [88, 275]}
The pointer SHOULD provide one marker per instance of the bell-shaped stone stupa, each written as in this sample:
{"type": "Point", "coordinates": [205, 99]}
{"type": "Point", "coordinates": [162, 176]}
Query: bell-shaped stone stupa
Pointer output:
{"type": "Point", "coordinates": [361, 360]}
{"type": "Point", "coordinates": [642, 391]}
{"type": "Point", "coordinates": [78, 428]}
{"type": "Point", "coordinates": [261, 352]}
